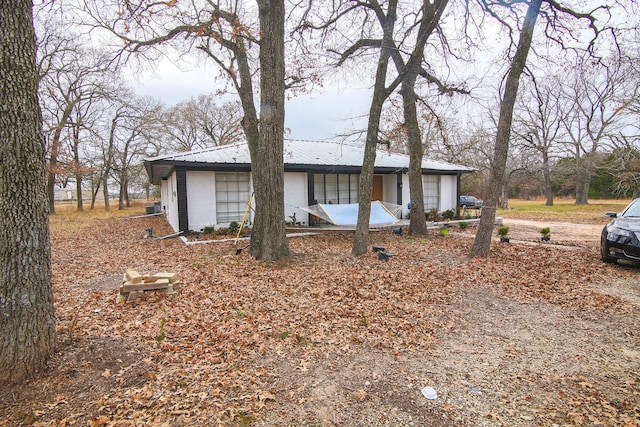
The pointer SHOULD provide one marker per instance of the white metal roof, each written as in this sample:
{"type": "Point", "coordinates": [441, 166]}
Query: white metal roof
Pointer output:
{"type": "Point", "coordinates": [313, 153]}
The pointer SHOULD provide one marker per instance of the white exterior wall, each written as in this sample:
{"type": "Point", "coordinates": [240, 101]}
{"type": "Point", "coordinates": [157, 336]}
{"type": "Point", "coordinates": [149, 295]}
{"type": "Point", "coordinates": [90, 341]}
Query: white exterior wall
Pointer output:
{"type": "Point", "coordinates": [448, 185]}
{"type": "Point", "coordinates": [406, 196]}
{"type": "Point", "coordinates": [202, 202]}
{"type": "Point", "coordinates": [295, 195]}
{"type": "Point", "coordinates": [169, 199]}
{"type": "Point", "coordinates": [389, 188]}
{"type": "Point", "coordinates": [201, 199]}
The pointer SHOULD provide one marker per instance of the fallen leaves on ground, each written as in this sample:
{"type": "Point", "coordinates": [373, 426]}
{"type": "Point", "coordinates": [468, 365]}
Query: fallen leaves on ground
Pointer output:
{"type": "Point", "coordinates": [246, 341]}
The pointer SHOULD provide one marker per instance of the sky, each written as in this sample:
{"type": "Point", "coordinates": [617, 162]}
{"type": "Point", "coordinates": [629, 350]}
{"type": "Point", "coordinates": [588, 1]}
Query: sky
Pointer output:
{"type": "Point", "coordinates": [316, 116]}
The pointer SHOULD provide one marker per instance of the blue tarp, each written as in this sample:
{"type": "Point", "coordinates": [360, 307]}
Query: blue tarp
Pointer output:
{"type": "Point", "coordinates": [347, 214]}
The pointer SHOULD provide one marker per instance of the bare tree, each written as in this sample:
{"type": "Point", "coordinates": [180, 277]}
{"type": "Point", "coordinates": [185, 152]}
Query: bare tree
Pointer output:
{"type": "Point", "coordinates": [431, 15]}
{"type": "Point", "coordinates": [199, 123]}
{"type": "Point", "coordinates": [482, 242]}
{"type": "Point", "coordinates": [69, 76]}
{"type": "Point", "coordinates": [555, 29]}
{"type": "Point", "coordinates": [27, 318]}
{"type": "Point", "coordinates": [538, 125]}
{"type": "Point", "coordinates": [226, 33]}
{"type": "Point", "coordinates": [600, 96]}
{"type": "Point", "coordinates": [130, 140]}
{"type": "Point", "coordinates": [380, 94]}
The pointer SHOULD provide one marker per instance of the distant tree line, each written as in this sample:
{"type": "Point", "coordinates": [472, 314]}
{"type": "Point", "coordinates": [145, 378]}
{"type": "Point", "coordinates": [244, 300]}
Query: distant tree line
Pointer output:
{"type": "Point", "coordinates": [97, 130]}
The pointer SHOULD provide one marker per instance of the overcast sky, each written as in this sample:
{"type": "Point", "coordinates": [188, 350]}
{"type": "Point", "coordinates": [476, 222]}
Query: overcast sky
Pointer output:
{"type": "Point", "coordinates": [315, 116]}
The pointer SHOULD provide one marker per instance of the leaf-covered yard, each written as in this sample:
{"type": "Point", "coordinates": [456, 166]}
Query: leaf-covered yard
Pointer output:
{"type": "Point", "coordinates": [538, 334]}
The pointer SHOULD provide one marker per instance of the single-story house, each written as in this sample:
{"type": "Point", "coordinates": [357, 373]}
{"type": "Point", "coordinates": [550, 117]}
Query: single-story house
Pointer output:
{"type": "Point", "coordinates": [212, 187]}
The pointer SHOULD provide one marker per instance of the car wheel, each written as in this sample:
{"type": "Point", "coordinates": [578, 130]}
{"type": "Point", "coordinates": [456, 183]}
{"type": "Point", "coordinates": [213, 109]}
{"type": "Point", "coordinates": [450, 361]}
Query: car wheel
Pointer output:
{"type": "Point", "coordinates": [604, 251]}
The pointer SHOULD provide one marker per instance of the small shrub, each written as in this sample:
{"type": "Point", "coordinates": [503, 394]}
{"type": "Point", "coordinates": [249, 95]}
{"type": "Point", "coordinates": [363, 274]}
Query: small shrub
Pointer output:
{"type": "Point", "coordinates": [209, 229]}
{"type": "Point", "coordinates": [449, 214]}
{"type": "Point", "coordinates": [546, 234]}
{"type": "Point", "coordinates": [503, 231]}
{"type": "Point", "coordinates": [432, 215]}
{"type": "Point", "coordinates": [234, 227]}
{"type": "Point", "coordinates": [444, 232]}
{"type": "Point", "coordinates": [463, 225]}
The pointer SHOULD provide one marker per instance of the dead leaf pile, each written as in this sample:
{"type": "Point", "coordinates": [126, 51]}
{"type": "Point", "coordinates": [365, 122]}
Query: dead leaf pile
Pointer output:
{"type": "Point", "coordinates": [246, 341]}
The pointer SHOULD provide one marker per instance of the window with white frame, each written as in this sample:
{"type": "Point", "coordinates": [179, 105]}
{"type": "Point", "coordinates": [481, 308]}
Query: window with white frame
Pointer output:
{"type": "Point", "coordinates": [335, 188]}
{"type": "Point", "coordinates": [431, 189]}
{"type": "Point", "coordinates": [232, 195]}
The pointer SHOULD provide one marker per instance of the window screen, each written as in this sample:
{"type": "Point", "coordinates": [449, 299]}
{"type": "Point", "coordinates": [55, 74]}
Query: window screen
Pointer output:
{"type": "Point", "coordinates": [431, 188]}
{"type": "Point", "coordinates": [232, 195]}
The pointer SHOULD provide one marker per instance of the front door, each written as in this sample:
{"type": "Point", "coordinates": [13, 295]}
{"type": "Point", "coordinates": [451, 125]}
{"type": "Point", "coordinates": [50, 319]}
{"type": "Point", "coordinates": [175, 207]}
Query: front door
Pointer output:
{"type": "Point", "coordinates": [376, 193]}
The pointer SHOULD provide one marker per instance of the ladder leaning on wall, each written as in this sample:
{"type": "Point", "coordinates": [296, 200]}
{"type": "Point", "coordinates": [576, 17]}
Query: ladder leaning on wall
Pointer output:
{"type": "Point", "coordinates": [244, 220]}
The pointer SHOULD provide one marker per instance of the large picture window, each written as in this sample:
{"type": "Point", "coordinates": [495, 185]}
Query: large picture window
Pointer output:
{"type": "Point", "coordinates": [232, 195]}
{"type": "Point", "coordinates": [431, 189]}
{"type": "Point", "coordinates": [335, 188]}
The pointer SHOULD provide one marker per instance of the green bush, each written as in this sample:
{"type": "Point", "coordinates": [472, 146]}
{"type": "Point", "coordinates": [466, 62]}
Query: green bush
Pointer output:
{"type": "Point", "coordinates": [449, 214]}
{"type": "Point", "coordinates": [209, 229]}
{"type": "Point", "coordinates": [503, 231]}
{"type": "Point", "coordinates": [463, 225]}
{"type": "Point", "coordinates": [234, 227]}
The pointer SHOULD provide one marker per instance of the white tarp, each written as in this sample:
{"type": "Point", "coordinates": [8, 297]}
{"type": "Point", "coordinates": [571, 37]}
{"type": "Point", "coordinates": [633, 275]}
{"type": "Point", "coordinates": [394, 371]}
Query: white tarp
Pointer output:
{"type": "Point", "coordinates": [347, 214]}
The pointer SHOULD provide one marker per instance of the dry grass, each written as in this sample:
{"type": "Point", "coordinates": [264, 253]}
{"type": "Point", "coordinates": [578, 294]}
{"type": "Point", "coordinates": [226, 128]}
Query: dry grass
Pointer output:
{"type": "Point", "coordinates": [68, 219]}
{"type": "Point", "coordinates": [562, 210]}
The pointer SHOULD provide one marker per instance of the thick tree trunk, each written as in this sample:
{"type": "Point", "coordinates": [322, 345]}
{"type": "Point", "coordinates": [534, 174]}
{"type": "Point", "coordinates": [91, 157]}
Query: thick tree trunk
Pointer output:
{"type": "Point", "coordinates": [482, 242]}
{"type": "Point", "coordinates": [121, 195]}
{"type": "Point", "coordinates": [365, 185]}
{"type": "Point", "coordinates": [504, 196]}
{"type": "Point", "coordinates": [268, 238]}
{"type": "Point", "coordinates": [27, 320]}
{"type": "Point", "coordinates": [583, 179]}
{"type": "Point", "coordinates": [53, 155]}
{"type": "Point", "coordinates": [579, 179]}
{"type": "Point", "coordinates": [105, 193]}
{"type": "Point", "coordinates": [546, 175]}
{"type": "Point", "coordinates": [79, 201]}
{"type": "Point", "coordinates": [417, 221]}
{"type": "Point", "coordinates": [77, 172]}
{"type": "Point", "coordinates": [95, 188]}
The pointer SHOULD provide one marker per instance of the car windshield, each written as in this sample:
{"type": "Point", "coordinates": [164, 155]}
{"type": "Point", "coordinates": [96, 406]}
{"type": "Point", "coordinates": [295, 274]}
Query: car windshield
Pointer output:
{"type": "Point", "coordinates": [633, 210]}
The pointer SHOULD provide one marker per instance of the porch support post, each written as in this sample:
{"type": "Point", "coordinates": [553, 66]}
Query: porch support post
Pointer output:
{"type": "Point", "coordinates": [183, 213]}
{"type": "Point", "coordinates": [310, 193]}
{"type": "Point", "coordinates": [399, 188]}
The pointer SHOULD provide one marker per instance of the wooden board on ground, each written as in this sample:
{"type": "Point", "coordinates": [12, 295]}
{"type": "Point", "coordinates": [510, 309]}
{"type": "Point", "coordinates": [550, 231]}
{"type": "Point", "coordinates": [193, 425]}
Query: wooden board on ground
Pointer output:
{"type": "Point", "coordinates": [135, 284]}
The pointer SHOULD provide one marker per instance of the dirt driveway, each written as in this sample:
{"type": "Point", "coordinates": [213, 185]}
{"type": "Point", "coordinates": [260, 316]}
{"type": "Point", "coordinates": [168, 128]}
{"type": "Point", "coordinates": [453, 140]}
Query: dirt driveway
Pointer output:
{"type": "Point", "coordinates": [501, 357]}
{"type": "Point", "coordinates": [521, 229]}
